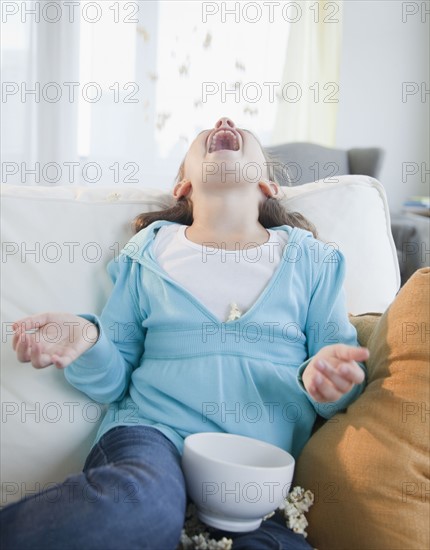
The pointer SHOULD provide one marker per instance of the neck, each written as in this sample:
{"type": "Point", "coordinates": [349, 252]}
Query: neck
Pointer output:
{"type": "Point", "coordinates": [226, 219]}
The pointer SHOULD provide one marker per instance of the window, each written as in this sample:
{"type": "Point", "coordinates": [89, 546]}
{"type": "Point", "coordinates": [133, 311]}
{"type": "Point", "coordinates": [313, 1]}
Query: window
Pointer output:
{"type": "Point", "coordinates": [145, 78]}
{"type": "Point", "coordinates": [164, 75]}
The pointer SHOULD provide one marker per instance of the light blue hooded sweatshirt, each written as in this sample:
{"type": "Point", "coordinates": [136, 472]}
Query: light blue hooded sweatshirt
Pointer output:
{"type": "Point", "coordinates": [164, 360]}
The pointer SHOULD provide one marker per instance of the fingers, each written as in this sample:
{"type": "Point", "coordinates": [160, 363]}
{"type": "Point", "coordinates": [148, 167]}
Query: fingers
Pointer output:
{"type": "Point", "coordinates": [349, 353]}
{"type": "Point", "coordinates": [340, 383]}
{"type": "Point", "coordinates": [36, 340]}
{"type": "Point", "coordinates": [63, 361]}
{"type": "Point", "coordinates": [318, 391]}
{"type": "Point", "coordinates": [330, 383]}
{"type": "Point", "coordinates": [343, 375]}
{"type": "Point", "coordinates": [32, 322]}
{"type": "Point", "coordinates": [36, 356]}
{"type": "Point", "coordinates": [59, 362]}
{"type": "Point", "coordinates": [17, 337]}
{"type": "Point", "coordinates": [321, 390]}
{"type": "Point", "coordinates": [28, 349]}
{"type": "Point", "coordinates": [22, 345]}
{"type": "Point", "coordinates": [31, 351]}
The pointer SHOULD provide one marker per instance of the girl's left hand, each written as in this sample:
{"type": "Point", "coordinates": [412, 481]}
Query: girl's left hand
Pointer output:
{"type": "Point", "coordinates": [333, 371]}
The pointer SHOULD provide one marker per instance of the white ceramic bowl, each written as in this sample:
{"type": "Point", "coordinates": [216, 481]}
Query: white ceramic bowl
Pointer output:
{"type": "Point", "coordinates": [235, 481]}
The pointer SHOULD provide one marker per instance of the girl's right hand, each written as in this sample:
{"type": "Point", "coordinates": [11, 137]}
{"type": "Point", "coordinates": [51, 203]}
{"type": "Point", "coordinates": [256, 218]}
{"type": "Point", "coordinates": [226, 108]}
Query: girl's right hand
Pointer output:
{"type": "Point", "coordinates": [56, 339]}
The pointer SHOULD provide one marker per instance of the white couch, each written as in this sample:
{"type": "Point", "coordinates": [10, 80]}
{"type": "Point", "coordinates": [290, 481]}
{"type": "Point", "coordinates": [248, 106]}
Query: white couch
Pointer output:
{"type": "Point", "coordinates": [56, 242]}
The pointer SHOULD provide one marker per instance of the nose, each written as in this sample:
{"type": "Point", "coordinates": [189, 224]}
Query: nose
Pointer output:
{"type": "Point", "coordinates": [224, 122]}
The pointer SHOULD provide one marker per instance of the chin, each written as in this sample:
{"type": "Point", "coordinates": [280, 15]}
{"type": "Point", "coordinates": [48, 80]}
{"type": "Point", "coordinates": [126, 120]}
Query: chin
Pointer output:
{"type": "Point", "coordinates": [224, 168]}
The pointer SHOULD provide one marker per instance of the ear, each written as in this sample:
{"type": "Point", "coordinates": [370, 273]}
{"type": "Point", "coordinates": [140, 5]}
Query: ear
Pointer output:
{"type": "Point", "coordinates": [182, 189]}
{"type": "Point", "coordinates": [271, 189]}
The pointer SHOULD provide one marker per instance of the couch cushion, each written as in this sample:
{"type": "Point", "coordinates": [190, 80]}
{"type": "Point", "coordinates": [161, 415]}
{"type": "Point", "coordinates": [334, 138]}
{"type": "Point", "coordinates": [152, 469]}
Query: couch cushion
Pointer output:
{"type": "Point", "coordinates": [365, 325]}
{"type": "Point", "coordinates": [352, 214]}
{"type": "Point", "coordinates": [369, 466]}
{"type": "Point", "coordinates": [56, 244]}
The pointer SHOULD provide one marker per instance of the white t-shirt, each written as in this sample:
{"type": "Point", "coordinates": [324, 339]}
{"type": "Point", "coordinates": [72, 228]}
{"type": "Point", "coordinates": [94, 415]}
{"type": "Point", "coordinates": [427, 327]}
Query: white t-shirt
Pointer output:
{"type": "Point", "coordinates": [226, 282]}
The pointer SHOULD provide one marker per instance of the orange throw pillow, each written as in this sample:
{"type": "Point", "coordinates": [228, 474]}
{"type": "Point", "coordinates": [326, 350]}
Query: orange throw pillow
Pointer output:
{"type": "Point", "coordinates": [368, 467]}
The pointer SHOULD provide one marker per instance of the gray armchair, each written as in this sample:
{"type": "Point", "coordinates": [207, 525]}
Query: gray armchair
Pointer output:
{"type": "Point", "coordinates": [305, 162]}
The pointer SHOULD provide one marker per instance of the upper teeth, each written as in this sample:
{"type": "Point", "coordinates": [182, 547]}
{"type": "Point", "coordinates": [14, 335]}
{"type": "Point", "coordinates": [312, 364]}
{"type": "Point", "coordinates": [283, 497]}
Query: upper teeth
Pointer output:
{"type": "Point", "coordinates": [223, 133]}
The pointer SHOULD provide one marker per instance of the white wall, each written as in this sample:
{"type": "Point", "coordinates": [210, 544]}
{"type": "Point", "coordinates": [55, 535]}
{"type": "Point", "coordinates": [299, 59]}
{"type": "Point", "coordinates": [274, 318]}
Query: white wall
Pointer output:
{"type": "Point", "coordinates": [380, 52]}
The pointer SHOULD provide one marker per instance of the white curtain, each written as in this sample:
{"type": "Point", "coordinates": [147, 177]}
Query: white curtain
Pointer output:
{"type": "Point", "coordinates": [311, 93]}
{"type": "Point", "coordinates": [40, 67]}
{"type": "Point", "coordinates": [138, 80]}
{"type": "Point", "coordinates": [56, 60]}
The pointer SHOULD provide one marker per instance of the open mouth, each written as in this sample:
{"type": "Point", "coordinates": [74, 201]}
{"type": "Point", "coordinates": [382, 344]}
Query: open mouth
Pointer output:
{"type": "Point", "coordinates": [224, 140]}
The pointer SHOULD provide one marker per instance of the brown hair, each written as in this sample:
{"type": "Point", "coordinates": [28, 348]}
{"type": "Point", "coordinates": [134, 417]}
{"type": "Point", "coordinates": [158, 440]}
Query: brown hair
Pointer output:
{"type": "Point", "coordinates": [272, 212]}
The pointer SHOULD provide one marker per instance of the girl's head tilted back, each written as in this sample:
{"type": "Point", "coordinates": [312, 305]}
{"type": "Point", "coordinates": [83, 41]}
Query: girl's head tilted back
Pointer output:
{"type": "Point", "coordinates": [226, 154]}
{"type": "Point", "coordinates": [227, 163]}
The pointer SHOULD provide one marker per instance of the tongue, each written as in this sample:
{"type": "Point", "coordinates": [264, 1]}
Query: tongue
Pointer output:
{"type": "Point", "coordinates": [224, 143]}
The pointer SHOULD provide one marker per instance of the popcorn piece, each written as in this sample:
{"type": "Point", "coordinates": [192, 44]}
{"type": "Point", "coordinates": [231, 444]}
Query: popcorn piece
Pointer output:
{"type": "Point", "coordinates": [235, 312]}
{"type": "Point", "coordinates": [196, 537]}
{"type": "Point", "coordinates": [297, 502]}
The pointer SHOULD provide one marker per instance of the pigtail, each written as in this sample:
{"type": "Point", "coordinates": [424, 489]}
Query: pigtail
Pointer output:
{"type": "Point", "coordinates": [273, 213]}
{"type": "Point", "coordinates": [181, 212]}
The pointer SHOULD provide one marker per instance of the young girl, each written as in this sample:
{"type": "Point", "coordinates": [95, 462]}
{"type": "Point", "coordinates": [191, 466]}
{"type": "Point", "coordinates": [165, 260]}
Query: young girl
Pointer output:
{"type": "Point", "coordinates": [227, 315]}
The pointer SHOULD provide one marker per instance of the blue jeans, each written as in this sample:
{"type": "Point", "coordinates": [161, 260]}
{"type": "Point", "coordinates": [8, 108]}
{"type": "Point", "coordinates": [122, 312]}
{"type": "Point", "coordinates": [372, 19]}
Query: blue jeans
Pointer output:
{"type": "Point", "coordinates": [131, 494]}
